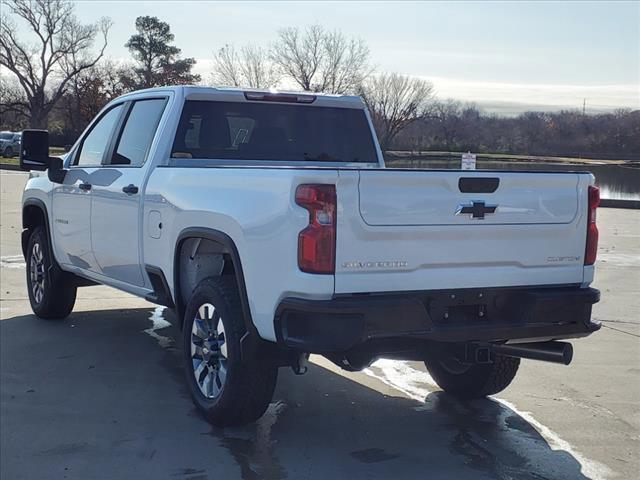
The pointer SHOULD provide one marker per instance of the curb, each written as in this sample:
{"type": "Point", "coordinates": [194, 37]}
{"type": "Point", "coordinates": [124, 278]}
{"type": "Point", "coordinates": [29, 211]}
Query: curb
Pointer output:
{"type": "Point", "coordinates": [9, 166]}
{"type": "Point", "coordinates": [614, 203]}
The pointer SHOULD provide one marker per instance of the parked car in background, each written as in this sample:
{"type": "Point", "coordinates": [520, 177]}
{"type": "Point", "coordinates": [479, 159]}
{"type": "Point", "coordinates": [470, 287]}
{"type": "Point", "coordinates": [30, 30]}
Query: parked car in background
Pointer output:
{"type": "Point", "coordinates": [10, 143]}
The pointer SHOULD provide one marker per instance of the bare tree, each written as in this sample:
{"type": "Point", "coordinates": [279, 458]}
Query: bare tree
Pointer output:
{"type": "Point", "coordinates": [63, 49]}
{"type": "Point", "coordinates": [226, 64]}
{"type": "Point", "coordinates": [533, 127]}
{"type": "Point", "coordinates": [249, 67]}
{"type": "Point", "coordinates": [345, 65]}
{"type": "Point", "coordinates": [319, 60]}
{"type": "Point", "coordinates": [88, 93]}
{"type": "Point", "coordinates": [298, 54]}
{"type": "Point", "coordinates": [395, 101]}
{"type": "Point", "coordinates": [448, 116]}
{"type": "Point", "coordinates": [13, 114]}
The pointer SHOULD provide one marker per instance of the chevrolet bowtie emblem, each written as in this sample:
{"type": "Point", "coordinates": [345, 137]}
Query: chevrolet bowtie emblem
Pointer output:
{"type": "Point", "coordinates": [476, 209]}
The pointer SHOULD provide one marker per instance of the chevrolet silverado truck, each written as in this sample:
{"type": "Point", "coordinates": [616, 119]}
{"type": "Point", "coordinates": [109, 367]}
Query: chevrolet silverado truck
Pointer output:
{"type": "Point", "coordinates": [268, 222]}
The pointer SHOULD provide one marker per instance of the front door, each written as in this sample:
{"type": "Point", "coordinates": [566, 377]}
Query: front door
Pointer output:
{"type": "Point", "coordinates": [116, 212]}
{"type": "Point", "coordinates": [71, 200]}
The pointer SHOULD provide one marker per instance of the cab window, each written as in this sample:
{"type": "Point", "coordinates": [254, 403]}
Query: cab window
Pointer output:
{"type": "Point", "coordinates": [97, 141]}
{"type": "Point", "coordinates": [138, 132]}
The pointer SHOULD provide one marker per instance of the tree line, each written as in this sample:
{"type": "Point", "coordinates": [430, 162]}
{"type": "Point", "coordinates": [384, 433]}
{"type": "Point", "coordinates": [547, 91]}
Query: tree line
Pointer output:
{"type": "Point", "coordinates": [458, 127]}
{"type": "Point", "coordinates": [59, 78]}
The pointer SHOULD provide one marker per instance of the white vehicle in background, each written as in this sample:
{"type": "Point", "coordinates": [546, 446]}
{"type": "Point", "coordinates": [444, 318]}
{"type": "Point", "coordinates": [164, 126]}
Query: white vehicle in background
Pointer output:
{"type": "Point", "coordinates": [269, 222]}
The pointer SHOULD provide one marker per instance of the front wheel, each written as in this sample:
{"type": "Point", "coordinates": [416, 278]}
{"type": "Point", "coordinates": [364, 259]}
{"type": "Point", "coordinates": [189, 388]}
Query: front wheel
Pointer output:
{"type": "Point", "coordinates": [52, 292]}
{"type": "Point", "coordinates": [472, 380]}
{"type": "Point", "coordinates": [227, 389]}
{"type": "Point", "coordinates": [8, 152]}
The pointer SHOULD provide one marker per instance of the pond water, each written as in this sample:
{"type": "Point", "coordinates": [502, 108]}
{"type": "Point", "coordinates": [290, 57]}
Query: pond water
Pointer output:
{"type": "Point", "coordinates": [620, 182]}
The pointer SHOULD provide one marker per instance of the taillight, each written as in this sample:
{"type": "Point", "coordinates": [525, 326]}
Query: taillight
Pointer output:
{"type": "Point", "coordinates": [591, 249]}
{"type": "Point", "coordinates": [317, 242]}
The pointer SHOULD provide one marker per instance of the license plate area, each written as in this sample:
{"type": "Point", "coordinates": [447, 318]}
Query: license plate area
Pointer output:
{"type": "Point", "coordinates": [501, 307]}
{"type": "Point", "coordinates": [461, 306]}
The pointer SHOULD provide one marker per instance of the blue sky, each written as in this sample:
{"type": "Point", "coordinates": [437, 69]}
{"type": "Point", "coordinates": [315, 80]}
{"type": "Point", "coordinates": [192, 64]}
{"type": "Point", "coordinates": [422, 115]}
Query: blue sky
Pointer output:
{"type": "Point", "coordinates": [500, 54]}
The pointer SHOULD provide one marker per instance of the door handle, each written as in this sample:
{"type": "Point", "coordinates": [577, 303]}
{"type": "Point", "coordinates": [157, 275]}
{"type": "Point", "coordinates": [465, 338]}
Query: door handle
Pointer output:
{"type": "Point", "coordinates": [85, 186]}
{"type": "Point", "coordinates": [130, 189]}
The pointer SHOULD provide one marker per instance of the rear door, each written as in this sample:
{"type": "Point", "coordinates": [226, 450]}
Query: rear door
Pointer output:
{"type": "Point", "coordinates": [116, 205]}
{"type": "Point", "coordinates": [419, 230]}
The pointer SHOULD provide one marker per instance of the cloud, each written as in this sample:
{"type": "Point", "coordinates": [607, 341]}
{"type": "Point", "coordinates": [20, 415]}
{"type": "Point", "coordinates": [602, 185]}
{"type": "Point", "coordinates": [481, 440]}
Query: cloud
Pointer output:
{"type": "Point", "coordinates": [545, 96]}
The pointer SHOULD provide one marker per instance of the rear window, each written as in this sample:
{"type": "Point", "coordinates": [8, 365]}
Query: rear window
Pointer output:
{"type": "Point", "coordinates": [265, 131]}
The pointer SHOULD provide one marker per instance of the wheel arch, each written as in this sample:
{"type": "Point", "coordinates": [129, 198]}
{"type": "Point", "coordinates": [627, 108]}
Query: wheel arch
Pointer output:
{"type": "Point", "coordinates": [34, 214]}
{"type": "Point", "coordinates": [225, 246]}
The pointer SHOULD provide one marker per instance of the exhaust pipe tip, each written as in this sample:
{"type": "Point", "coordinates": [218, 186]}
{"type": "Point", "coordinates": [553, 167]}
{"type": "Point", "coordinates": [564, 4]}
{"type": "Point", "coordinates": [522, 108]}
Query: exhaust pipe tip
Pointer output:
{"type": "Point", "coordinates": [553, 351]}
{"type": "Point", "coordinates": [567, 353]}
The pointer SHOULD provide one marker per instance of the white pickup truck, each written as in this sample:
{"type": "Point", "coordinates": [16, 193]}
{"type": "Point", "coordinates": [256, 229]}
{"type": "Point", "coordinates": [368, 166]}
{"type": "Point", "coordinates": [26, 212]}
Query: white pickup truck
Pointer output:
{"type": "Point", "coordinates": [269, 222]}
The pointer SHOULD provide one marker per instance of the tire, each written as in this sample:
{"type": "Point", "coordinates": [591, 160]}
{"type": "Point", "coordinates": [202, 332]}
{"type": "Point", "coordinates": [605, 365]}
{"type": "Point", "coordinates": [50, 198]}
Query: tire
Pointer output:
{"type": "Point", "coordinates": [52, 292]}
{"type": "Point", "coordinates": [228, 391]}
{"type": "Point", "coordinates": [8, 152]}
{"type": "Point", "coordinates": [472, 381]}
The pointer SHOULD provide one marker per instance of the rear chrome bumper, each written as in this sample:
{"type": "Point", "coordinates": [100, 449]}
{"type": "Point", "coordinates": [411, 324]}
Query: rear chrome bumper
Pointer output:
{"type": "Point", "coordinates": [471, 315]}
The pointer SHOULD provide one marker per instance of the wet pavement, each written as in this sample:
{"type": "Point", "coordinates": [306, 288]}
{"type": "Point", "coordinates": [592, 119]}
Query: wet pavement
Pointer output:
{"type": "Point", "coordinates": [101, 395]}
{"type": "Point", "coordinates": [94, 397]}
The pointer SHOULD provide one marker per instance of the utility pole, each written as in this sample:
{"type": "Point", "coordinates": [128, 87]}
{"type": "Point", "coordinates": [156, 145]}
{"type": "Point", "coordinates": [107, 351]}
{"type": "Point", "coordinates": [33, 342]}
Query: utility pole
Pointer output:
{"type": "Point", "coordinates": [584, 105]}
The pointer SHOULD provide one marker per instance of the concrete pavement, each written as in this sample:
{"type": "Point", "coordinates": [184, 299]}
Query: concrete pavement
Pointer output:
{"type": "Point", "coordinates": [101, 395]}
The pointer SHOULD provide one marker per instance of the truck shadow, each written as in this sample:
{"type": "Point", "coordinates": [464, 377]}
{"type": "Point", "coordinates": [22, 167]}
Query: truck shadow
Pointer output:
{"type": "Point", "coordinates": [100, 395]}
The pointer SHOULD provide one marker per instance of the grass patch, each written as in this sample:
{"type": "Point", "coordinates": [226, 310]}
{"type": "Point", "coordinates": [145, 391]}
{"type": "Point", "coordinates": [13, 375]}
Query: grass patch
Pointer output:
{"type": "Point", "coordinates": [15, 160]}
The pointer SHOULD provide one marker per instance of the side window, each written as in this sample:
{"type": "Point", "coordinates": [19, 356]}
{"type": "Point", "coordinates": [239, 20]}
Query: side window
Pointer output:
{"type": "Point", "coordinates": [139, 130]}
{"type": "Point", "coordinates": [97, 141]}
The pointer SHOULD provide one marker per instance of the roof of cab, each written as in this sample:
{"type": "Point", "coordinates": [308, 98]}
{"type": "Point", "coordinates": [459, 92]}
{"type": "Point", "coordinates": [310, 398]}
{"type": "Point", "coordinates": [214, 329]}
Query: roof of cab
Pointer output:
{"type": "Point", "coordinates": [194, 92]}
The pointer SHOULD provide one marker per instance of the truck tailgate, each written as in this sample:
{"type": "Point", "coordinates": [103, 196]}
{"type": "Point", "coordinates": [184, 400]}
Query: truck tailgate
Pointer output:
{"type": "Point", "coordinates": [407, 198]}
{"type": "Point", "coordinates": [424, 230]}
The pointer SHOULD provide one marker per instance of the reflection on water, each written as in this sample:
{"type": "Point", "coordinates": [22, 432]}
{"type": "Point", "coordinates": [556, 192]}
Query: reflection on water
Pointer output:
{"type": "Point", "coordinates": [615, 181]}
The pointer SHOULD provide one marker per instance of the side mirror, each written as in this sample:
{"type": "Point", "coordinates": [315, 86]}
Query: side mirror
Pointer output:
{"type": "Point", "coordinates": [56, 173]}
{"type": "Point", "coordinates": [34, 150]}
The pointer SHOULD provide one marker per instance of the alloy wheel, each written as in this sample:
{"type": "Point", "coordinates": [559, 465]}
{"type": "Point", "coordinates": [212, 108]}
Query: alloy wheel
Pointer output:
{"type": "Point", "coordinates": [37, 272]}
{"type": "Point", "coordinates": [209, 351]}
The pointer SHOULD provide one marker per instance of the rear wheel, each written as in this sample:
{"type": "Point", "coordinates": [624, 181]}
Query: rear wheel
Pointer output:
{"type": "Point", "coordinates": [227, 389]}
{"type": "Point", "coordinates": [52, 292]}
{"type": "Point", "coordinates": [472, 380]}
{"type": "Point", "coordinates": [8, 152]}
